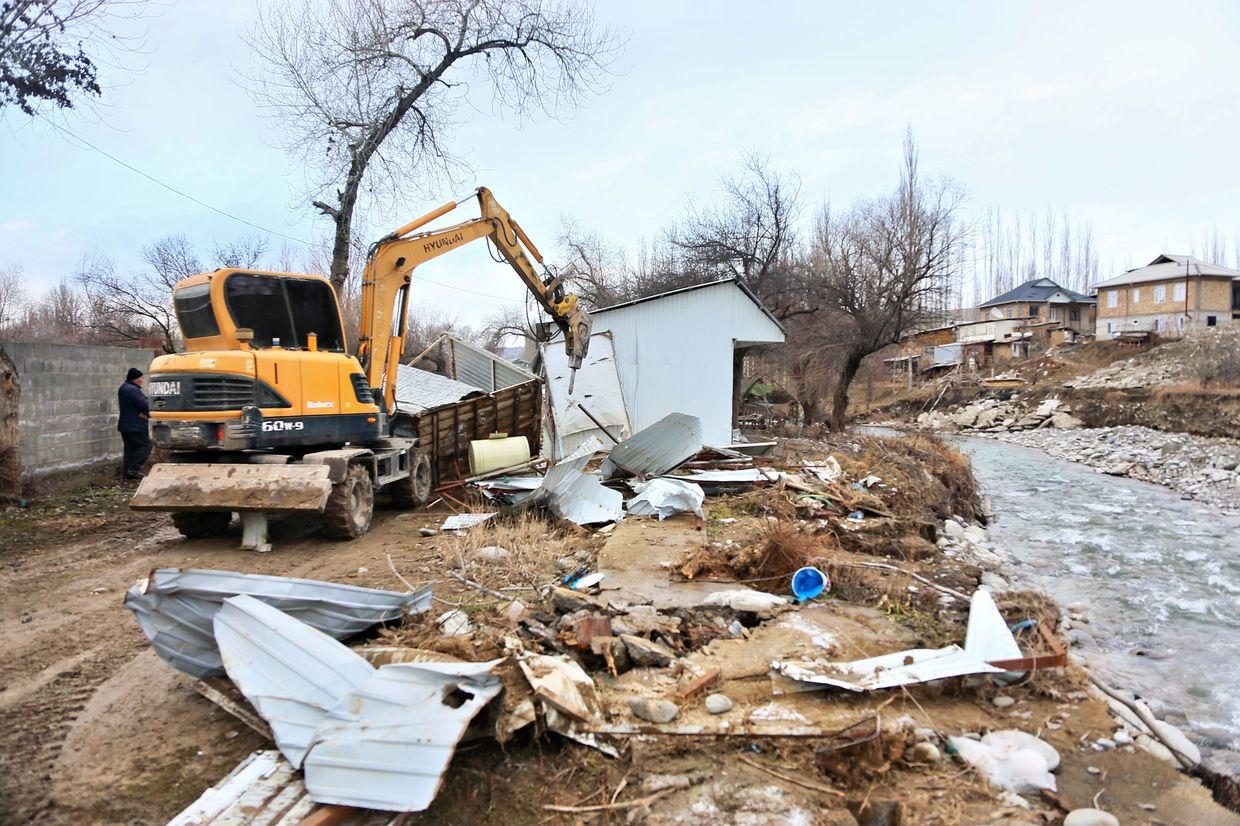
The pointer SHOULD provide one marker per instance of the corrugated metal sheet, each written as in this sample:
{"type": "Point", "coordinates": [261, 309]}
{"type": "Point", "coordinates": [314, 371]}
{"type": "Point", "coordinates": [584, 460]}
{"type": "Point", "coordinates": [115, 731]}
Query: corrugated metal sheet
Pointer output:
{"type": "Point", "coordinates": [387, 744]}
{"type": "Point", "coordinates": [596, 388]}
{"type": "Point", "coordinates": [175, 609]}
{"type": "Point", "coordinates": [418, 389]}
{"type": "Point", "coordinates": [263, 790]}
{"type": "Point", "coordinates": [674, 353]}
{"type": "Point", "coordinates": [292, 674]}
{"type": "Point", "coordinates": [474, 366]}
{"type": "Point", "coordinates": [657, 449]}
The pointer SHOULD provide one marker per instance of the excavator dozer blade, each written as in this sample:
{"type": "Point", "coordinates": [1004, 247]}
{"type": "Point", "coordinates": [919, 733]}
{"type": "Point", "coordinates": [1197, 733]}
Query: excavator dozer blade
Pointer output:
{"type": "Point", "coordinates": [234, 487]}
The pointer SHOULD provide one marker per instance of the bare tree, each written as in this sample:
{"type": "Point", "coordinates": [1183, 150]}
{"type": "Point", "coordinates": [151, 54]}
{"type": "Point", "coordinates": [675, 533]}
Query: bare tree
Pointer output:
{"type": "Point", "coordinates": [12, 294]}
{"type": "Point", "coordinates": [368, 88]}
{"type": "Point", "coordinates": [594, 269]}
{"type": "Point", "coordinates": [127, 306]}
{"type": "Point", "coordinates": [751, 235]}
{"type": "Point", "coordinates": [882, 268]}
{"type": "Point", "coordinates": [44, 58]}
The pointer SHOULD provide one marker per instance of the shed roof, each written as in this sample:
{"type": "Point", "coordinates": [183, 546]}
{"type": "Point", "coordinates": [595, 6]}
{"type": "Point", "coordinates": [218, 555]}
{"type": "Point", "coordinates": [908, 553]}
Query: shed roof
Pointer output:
{"type": "Point", "coordinates": [1166, 267]}
{"type": "Point", "coordinates": [1039, 289]}
{"type": "Point", "coordinates": [741, 284]}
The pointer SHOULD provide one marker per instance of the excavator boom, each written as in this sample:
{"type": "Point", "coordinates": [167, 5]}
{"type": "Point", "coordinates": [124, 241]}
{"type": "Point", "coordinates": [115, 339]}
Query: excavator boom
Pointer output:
{"type": "Point", "coordinates": [389, 271]}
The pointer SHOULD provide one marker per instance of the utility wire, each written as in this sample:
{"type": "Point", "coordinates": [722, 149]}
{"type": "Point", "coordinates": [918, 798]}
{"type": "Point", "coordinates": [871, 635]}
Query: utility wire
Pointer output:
{"type": "Point", "coordinates": [168, 187]}
{"type": "Point", "coordinates": [73, 137]}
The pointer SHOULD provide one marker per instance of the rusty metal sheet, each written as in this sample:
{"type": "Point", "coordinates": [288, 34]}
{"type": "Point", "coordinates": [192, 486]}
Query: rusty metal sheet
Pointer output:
{"type": "Point", "coordinates": [234, 487]}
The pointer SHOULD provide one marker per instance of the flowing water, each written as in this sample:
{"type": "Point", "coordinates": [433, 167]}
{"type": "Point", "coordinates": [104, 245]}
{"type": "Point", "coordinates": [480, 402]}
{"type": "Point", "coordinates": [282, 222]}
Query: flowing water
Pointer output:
{"type": "Point", "coordinates": [1159, 574]}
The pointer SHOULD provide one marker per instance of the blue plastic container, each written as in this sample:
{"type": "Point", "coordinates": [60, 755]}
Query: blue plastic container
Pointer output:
{"type": "Point", "coordinates": [808, 583]}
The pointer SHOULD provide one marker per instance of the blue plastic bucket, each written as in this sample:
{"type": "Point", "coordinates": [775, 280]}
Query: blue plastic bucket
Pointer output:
{"type": "Point", "coordinates": [808, 583]}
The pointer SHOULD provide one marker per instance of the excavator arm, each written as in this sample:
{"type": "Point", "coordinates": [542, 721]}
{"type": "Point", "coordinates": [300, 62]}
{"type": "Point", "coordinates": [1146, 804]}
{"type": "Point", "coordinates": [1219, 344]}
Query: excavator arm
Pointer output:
{"type": "Point", "coordinates": [389, 271]}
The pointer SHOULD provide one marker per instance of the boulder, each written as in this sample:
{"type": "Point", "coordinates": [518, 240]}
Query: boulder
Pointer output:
{"type": "Point", "coordinates": [653, 711]}
{"type": "Point", "coordinates": [1064, 421]}
{"type": "Point", "coordinates": [718, 704]}
{"type": "Point", "coordinates": [647, 654]}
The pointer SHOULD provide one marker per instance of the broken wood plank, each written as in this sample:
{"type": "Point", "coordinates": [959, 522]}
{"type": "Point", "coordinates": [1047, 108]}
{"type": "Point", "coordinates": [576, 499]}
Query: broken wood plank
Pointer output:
{"type": "Point", "coordinates": [233, 707]}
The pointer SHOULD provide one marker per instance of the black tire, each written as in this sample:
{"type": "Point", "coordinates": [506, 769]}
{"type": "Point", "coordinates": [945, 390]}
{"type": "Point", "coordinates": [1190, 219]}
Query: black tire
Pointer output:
{"type": "Point", "coordinates": [415, 489]}
{"type": "Point", "coordinates": [200, 524]}
{"type": "Point", "coordinates": [350, 506]}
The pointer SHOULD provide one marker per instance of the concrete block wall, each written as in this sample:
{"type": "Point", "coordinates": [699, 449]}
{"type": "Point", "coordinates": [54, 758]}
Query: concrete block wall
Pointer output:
{"type": "Point", "coordinates": [67, 409]}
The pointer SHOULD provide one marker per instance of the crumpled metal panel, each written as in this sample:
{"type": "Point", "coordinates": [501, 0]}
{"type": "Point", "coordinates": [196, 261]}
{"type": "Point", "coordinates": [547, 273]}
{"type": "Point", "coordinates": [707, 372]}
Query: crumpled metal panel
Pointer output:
{"type": "Point", "coordinates": [292, 674]}
{"type": "Point", "coordinates": [665, 496]}
{"type": "Point", "coordinates": [582, 498]}
{"type": "Point", "coordinates": [473, 365]}
{"type": "Point", "coordinates": [387, 744]}
{"type": "Point", "coordinates": [657, 449]}
{"type": "Point", "coordinates": [175, 609]}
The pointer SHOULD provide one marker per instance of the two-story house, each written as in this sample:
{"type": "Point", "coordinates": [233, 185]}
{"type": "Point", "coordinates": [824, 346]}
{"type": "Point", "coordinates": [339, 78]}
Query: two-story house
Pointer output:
{"type": "Point", "coordinates": [1172, 293]}
{"type": "Point", "coordinates": [1041, 300]}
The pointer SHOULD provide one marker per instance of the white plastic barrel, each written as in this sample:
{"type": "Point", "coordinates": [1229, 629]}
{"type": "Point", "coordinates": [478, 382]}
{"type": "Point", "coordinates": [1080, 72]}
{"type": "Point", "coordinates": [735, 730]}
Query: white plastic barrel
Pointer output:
{"type": "Point", "coordinates": [486, 455]}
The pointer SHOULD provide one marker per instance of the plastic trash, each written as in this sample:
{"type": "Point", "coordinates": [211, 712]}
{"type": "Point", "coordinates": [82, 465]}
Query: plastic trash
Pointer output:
{"type": "Point", "coordinates": [588, 581]}
{"type": "Point", "coordinates": [809, 582]}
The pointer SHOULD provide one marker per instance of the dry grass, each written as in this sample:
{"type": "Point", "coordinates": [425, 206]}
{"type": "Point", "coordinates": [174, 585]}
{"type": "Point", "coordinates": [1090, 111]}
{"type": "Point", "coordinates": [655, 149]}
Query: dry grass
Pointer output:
{"type": "Point", "coordinates": [926, 479]}
{"type": "Point", "coordinates": [533, 542]}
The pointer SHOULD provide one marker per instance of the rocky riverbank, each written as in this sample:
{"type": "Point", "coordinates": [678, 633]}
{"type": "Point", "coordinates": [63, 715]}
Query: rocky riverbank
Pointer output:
{"type": "Point", "coordinates": [1202, 468]}
{"type": "Point", "coordinates": [1198, 467]}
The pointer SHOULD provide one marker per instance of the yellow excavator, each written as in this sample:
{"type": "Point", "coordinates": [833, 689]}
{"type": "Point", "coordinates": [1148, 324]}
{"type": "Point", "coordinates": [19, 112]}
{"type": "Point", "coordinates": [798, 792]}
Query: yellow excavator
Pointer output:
{"type": "Point", "coordinates": [268, 412]}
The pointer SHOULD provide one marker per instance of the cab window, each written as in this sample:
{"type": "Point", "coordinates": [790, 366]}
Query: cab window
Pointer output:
{"type": "Point", "coordinates": [194, 311]}
{"type": "Point", "coordinates": [287, 309]}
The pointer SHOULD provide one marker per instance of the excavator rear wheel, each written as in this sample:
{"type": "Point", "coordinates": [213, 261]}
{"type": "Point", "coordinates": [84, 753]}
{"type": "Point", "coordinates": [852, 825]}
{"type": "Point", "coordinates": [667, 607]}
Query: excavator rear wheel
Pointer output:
{"type": "Point", "coordinates": [350, 505]}
{"type": "Point", "coordinates": [199, 524]}
{"type": "Point", "coordinates": [414, 489]}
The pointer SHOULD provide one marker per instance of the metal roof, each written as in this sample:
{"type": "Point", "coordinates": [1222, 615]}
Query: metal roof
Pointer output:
{"type": "Point", "coordinates": [1039, 289]}
{"type": "Point", "coordinates": [734, 280]}
{"type": "Point", "coordinates": [1169, 267]}
{"type": "Point", "coordinates": [418, 389]}
{"type": "Point", "coordinates": [472, 365]}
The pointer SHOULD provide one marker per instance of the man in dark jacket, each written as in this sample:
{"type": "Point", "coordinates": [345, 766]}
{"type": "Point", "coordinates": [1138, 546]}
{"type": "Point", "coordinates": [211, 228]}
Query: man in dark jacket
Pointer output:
{"type": "Point", "coordinates": [135, 413]}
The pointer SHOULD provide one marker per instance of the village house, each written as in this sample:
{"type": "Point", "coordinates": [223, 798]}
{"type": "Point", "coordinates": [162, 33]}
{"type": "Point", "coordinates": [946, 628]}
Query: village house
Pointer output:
{"type": "Point", "coordinates": [1169, 295]}
{"type": "Point", "coordinates": [1041, 301]}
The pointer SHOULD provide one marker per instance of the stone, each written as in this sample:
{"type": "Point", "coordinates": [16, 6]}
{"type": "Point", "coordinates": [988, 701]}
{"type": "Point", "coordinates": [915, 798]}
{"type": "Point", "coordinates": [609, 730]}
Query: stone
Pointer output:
{"type": "Point", "coordinates": [953, 529]}
{"type": "Point", "coordinates": [718, 703]}
{"type": "Point", "coordinates": [652, 710]}
{"type": "Point", "coordinates": [1122, 737]}
{"type": "Point", "coordinates": [1090, 817]}
{"type": "Point", "coordinates": [1063, 421]}
{"type": "Point", "coordinates": [994, 582]}
{"type": "Point", "coordinates": [652, 783]}
{"type": "Point", "coordinates": [975, 534]}
{"type": "Point", "coordinates": [1078, 637]}
{"type": "Point", "coordinates": [647, 654]}
{"type": "Point", "coordinates": [428, 532]}
{"type": "Point", "coordinates": [567, 601]}
{"type": "Point", "coordinates": [491, 553]}
{"type": "Point", "coordinates": [1176, 739]}
{"type": "Point", "coordinates": [924, 753]}
{"type": "Point", "coordinates": [1003, 701]}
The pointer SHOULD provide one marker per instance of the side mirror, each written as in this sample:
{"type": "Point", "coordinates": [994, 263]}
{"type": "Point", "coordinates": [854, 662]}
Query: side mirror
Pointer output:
{"type": "Point", "coordinates": [245, 335]}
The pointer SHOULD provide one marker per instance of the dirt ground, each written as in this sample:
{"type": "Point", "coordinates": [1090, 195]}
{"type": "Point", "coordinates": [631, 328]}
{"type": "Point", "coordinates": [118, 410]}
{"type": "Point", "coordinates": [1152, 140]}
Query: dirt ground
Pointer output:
{"type": "Point", "coordinates": [95, 728]}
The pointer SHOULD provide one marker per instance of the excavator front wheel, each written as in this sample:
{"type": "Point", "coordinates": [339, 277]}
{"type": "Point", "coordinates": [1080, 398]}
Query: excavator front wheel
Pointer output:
{"type": "Point", "coordinates": [350, 506]}
{"type": "Point", "coordinates": [200, 524]}
{"type": "Point", "coordinates": [414, 489]}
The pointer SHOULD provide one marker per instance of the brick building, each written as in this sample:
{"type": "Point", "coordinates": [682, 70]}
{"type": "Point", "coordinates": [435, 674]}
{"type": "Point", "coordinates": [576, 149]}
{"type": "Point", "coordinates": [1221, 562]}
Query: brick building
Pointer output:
{"type": "Point", "coordinates": [1170, 294]}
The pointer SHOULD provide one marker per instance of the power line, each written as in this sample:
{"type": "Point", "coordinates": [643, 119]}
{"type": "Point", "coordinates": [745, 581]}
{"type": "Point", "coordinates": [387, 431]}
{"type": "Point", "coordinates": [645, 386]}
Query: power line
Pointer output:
{"type": "Point", "coordinates": [169, 187]}
{"type": "Point", "coordinates": [73, 137]}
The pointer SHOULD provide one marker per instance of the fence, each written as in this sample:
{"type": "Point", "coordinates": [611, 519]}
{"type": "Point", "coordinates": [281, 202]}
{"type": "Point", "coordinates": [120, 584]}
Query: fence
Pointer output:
{"type": "Point", "coordinates": [66, 404]}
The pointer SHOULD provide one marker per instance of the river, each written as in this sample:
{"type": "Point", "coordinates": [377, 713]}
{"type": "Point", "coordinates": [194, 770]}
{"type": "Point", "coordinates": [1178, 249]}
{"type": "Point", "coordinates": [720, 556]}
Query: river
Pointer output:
{"type": "Point", "coordinates": [1159, 574]}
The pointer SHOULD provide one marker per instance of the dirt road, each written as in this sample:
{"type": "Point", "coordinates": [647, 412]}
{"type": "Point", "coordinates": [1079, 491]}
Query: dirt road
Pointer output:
{"type": "Point", "coordinates": [93, 726]}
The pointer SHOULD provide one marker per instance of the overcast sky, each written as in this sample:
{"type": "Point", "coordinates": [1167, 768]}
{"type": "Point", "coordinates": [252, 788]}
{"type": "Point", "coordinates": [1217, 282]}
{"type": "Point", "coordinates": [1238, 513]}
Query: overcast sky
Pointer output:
{"type": "Point", "coordinates": [1122, 114]}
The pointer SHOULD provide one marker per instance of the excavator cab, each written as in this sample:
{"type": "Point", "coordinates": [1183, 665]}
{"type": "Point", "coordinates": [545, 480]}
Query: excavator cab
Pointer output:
{"type": "Point", "coordinates": [266, 366]}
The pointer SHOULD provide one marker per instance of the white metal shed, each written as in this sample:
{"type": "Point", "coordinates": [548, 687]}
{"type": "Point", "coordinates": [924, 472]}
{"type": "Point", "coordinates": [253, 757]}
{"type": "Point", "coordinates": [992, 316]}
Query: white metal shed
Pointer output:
{"type": "Point", "coordinates": [674, 351]}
